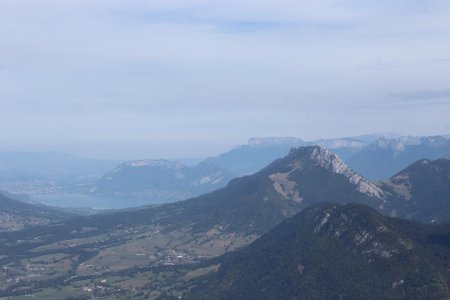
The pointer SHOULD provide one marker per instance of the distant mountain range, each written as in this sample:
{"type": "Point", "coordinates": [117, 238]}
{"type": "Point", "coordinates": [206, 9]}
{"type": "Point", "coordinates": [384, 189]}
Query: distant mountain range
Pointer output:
{"type": "Point", "coordinates": [385, 157]}
{"type": "Point", "coordinates": [332, 251]}
{"type": "Point", "coordinates": [376, 157]}
{"type": "Point", "coordinates": [373, 156]}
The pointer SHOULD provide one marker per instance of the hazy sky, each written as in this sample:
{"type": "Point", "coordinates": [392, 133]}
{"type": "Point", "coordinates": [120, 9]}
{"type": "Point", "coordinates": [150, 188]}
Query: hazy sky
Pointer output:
{"type": "Point", "coordinates": [150, 79]}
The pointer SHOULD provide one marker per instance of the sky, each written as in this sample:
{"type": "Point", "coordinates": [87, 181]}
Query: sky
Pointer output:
{"type": "Point", "coordinates": [192, 78]}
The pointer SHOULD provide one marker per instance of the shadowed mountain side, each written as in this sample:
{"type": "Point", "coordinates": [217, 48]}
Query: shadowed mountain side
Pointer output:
{"type": "Point", "coordinates": [421, 191]}
{"type": "Point", "coordinates": [329, 251]}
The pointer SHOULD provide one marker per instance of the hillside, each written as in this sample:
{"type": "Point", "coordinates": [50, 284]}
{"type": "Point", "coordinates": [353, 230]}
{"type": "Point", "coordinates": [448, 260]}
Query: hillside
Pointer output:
{"type": "Point", "coordinates": [161, 180]}
{"type": "Point", "coordinates": [421, 191]}
{"type": "Point", "coordinates": [330, 251]}
{"type": "Point", "coordinates": [16, 215]}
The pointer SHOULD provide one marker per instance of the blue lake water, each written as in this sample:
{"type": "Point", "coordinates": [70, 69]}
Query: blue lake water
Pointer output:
{"type": "Point", "coordinates": [92, 201]}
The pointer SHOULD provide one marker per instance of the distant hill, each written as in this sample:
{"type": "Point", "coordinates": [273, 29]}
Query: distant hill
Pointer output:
{"type": "Point", "coordinates": [161, 180]}
{"type": "Point", "coordinates": [421, 191]}
{"type": "Point", "coordinates": [385, 157]}
{"type": "Point", "coordinates": [331, 251]}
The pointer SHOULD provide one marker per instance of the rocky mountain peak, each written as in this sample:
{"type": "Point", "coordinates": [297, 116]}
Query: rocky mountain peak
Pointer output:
{"type": "Point", "coordinates": [323, 158]}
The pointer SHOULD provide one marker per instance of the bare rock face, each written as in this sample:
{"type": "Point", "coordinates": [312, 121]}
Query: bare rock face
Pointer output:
{"type": "Point", "coordinates": [332, 179]}
{"type": "Point", "coordinates": [330, 161]}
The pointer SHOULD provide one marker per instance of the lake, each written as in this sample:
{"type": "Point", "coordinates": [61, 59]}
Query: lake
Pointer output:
{"type": "Point", "coordinates": [92, 201]}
